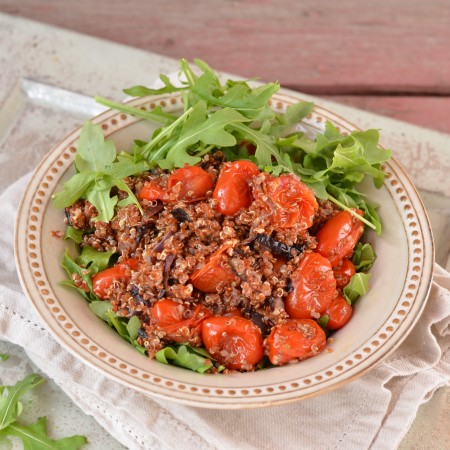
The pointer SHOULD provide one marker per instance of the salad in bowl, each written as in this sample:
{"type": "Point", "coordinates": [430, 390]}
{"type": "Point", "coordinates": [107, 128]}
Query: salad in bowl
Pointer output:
{"type": "Point", "coordinates": [231, 240]}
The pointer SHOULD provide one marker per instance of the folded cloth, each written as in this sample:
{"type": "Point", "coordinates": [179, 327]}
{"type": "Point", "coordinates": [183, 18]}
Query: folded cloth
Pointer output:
{"type": "Point", "coordinates": [373, 412]}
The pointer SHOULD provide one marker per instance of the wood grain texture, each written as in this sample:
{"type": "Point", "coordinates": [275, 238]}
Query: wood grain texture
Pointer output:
{"type": "Point", "coordinates": [317, 47]}
{"type": "Point", "coordinates": [426, 111]}
{"type": "Point", "coordinates": [374, 55]}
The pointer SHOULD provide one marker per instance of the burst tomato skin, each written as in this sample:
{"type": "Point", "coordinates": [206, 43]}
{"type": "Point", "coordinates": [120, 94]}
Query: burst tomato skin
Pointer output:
{"type": "Point", "coordinates": [295, 339]}
{"type": "Point", "coordinates": [233, 341]}
{"type": "Point", "coordinates": [338, 237]}
{"type": "Point", "coordinates": [151, 191]}
{"type": "Point", "coordinates": [178, 321]}
{"type": "Point", "coordinates": [216, 271]}
{"type": "Point", "coordinates": [208, 278]}
{"type": "Point", "coordinates": [295, 203]}
{"type": "Point", "coordinates": [232, 190]}
{"type": "Point", "coordinates": [339, 313]}
{"type": "Point", "coordinates": [168, 314]}
{"type": "Point", "coordinates": [314, 286]}
{"type": "Point", "coordinates": [195, 182]}
{"type": "Point", "coordinates": [343, 272]}
{"type": "Point", "coordinates": [103, 281]}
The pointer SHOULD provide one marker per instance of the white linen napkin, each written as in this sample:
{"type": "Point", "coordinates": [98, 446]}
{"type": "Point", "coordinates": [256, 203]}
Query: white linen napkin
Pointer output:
{"type": "Point", "coordinates": [373, 412]}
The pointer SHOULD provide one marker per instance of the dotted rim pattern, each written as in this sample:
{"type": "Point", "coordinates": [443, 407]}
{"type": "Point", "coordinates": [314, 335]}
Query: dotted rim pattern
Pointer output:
{"type": "Point", "coordinates": [35, 282]}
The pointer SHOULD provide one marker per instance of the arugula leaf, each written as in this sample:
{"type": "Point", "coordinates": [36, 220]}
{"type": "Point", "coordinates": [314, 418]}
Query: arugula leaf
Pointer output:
{"type": "Point", "coordinates": [266, 149]}
{"type": "Point", "coordinates": [141, 91]}
{"type": "Point", "coordinates": [92, 259]}
{"type": "Point", "coordinates": [123, 330]}
{"type": "Point", "coordinates": [182, 356]}
{"type": "Point", "coordinates": [293, 115]}
{"type": "Point", "coordinates": [126, 165]}
{"type": "Point", "coordinates": [74, 234]}
{"type": "Point", "coordinates": [200, 128]}
{"type": "Point", "coordinates": [102, 201]}
{"type": "Point", "coordinates": [4, 356]}
{"type": "Point", "coordinates": [99, 170]}
{"type": "Point", "coordinates": [150, 151]}
{"type": "Point", "coordinates": [251, 103]}
{"type": "Point", "coordinates": [353, 159]}
{"type": "Point", "coordinates": [101, 309]}
{"type": "Point", "coordinates": [363, 257]}
{"type": "Point", "coordinates": [323, 321]}
{"type": "Point", "coordinates": [10, 406]}
{"type": "Point", "coordinates": [71, 284]}
{"type": "Point", "coordinates": [117, 324]}
{"type": "Point", "coordinates": [94, 153]}
{"type": "Point", "coordinates": [71, 267]}
{"type": "Point", "coordinates": [34, 437]}
{"type": "Point", "coordinates": [358, 286]}
{"type": "Point", "coordinates": [73, 189]}
{"type": "Point", "coordinates": [155, 115]}
{"type": "Point", "coordinates": [133, 326]}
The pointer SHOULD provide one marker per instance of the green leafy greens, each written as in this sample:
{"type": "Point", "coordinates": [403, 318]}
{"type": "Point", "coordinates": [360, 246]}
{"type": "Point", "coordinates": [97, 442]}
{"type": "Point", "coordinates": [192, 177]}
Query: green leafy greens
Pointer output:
{"type": "Point", "coordinates": [10, 405]}
{"type": "Point", "coordinates": [358, 286]}
{"type": "Point", "coordinates": [98, 170]}
{"type": "Point", "coordinates": [220, 116]}
{"type": "Point", "coordinates": [34, 436]}
{"type": "Point", "coordinates": [86, 265]}
{"type": "Point", "coordinates": [196, 359]}
{"type": "Point", "coordinates": [363, 257]}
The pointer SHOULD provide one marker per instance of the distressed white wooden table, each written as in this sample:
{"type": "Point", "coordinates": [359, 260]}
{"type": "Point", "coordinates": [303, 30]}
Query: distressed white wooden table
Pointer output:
{"type": "Point", "coordinates": [48, 77]}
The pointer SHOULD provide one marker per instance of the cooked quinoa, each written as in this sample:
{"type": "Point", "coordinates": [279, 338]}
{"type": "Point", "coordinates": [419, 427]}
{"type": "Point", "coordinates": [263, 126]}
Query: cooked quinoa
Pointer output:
{"type": "Point", "coordinates": [172, 240]}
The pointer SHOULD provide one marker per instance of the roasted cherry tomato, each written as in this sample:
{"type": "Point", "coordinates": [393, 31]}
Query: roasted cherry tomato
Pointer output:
{"type": "Point", "coordinates": [339, 313]}
{"type": "Point", "coordinates": [314, 286]}
{"type": "Point", "coordinates": [343, 272]}
{"type": "Point", "coordinates": [102, 282]}
{"type": "Point", "coordinates": [180, 322]}
{"type": "Point", "coordinates": [295, 339]}
{"type": "Point", "coordinates": [291, 201]}
{"type": "Point", "coordinates": [233, 341]}
{"type": "Point", "coordinates": [194, 182]}
{"type": "Point", "coordinates": [170, 315]}
{"type": "Point", "coordinates": [151, 191]}
{"type": "Point", "coordinates": [338, 237]}
{"type": "Point", "coordinates": [232, 190]}
{"type": "Point", "coordinates": [214, 272]}
{"type": "Point", "coordinates": [167, 312]}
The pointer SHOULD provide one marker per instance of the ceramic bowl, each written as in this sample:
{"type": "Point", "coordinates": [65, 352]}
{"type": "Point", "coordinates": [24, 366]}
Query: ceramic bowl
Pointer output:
{"type": "Point", "coordinates": [399, 285]}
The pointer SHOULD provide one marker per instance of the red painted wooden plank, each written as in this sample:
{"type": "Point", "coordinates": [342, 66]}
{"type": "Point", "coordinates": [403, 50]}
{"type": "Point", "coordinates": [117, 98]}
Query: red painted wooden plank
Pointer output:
{"type": "Point", "coordinates": [336, 47]}
{"type": "Point", "coordinates": [429, 112]}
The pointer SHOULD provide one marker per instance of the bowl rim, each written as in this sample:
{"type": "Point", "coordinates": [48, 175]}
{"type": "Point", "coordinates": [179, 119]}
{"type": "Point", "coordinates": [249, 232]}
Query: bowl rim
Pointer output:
{"type": "Point", "coordinates": [169, 388]}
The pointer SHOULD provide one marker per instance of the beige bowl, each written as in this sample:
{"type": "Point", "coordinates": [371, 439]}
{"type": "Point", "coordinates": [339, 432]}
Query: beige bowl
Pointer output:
{"type": "Point", "coordinates": [399, 286]}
